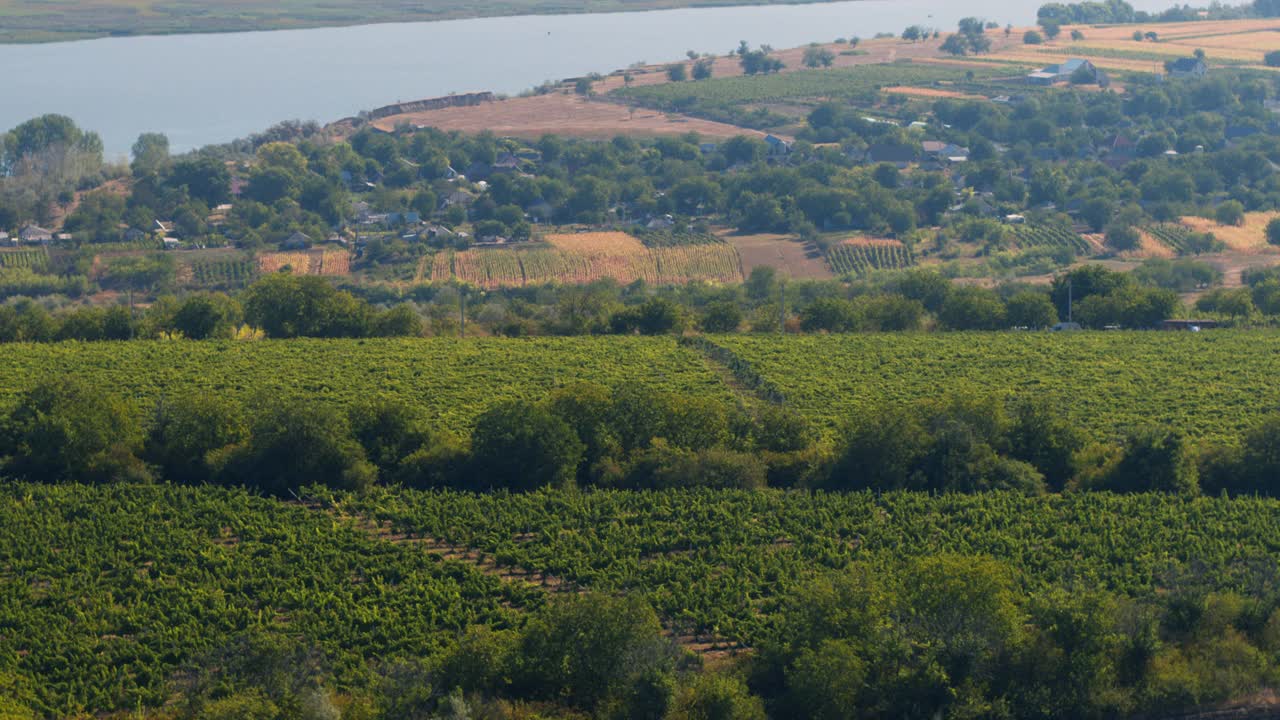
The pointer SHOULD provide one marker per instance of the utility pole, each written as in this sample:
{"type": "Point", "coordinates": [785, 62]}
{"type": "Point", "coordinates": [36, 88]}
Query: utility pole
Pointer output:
{"type": "Point", "coordinates": [782, 307]}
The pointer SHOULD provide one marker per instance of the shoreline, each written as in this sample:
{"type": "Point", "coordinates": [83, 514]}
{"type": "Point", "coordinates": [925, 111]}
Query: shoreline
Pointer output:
{"type": "Point", "coordinates": [233, 25]}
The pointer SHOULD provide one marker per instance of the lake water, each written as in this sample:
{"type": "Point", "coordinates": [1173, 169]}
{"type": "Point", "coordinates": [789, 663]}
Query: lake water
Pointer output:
{"type": "Point", "coordinates": [202, 89]}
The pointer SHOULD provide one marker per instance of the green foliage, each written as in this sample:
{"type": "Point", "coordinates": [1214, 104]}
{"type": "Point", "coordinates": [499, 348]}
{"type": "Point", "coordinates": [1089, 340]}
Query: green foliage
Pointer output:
{"type": "Point", "coordinates": [66, 430]}
{"type": "Point", "coordinates": [186, 433]}
{"type": "Point", "coordinates": [287, 306]}
{"type": "Point", "coordinates": [592, 649]}
{"type": "Point", "coordinates": [848, 259]}
{"type": "Point", "coordinates": [523, 446]}
{"type": "Point", "coordinates": [293, 444]}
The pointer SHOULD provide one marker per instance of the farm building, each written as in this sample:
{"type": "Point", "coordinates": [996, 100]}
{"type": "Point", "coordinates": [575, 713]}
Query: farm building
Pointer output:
{"type": "Point", "coordinates": [1187, 69]}
{"type": "Point", "coordinates": [777, 146]}
{"type": "Point", "coordinates": [1063, 73]}
{"type": "Point", "coordinates": [297, 241]}
{"type": "Point", "coordinates": [33, 234]}
{"type": "Point", "coordinates": [899, 155]}
{"type": "Point", "coordinates": [5, 239]}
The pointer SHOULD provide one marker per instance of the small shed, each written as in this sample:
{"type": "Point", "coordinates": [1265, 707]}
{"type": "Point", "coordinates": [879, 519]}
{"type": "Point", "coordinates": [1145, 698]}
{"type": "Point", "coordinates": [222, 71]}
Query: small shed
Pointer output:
{"type": "Point", "coordinates": [297, 241]}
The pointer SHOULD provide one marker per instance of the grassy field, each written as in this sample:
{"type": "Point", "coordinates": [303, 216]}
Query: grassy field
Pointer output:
{"type": "Point", "coordinates": [1211, 385]}
{"type": "Point", "coordinates": [54, 20]}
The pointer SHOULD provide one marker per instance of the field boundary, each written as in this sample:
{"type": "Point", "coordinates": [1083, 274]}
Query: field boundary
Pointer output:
{"type": "Point", "coordinates": [708, 647]}
{"type": "Point", "coordinates": [741, 370]}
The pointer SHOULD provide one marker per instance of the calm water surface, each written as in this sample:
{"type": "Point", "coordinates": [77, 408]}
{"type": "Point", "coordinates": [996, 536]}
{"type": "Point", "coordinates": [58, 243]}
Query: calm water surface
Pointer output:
{"type": "Point", "coordinates": [201, 89]}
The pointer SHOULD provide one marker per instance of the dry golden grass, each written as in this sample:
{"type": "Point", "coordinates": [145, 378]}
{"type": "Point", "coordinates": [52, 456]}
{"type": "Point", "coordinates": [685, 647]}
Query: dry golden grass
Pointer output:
{"type": "Point", "coordinates": [929, 92]}
{"type": "Point", "coordinates": [1175, 31]}
{"type": "Point", "coordinates": [1149, 247]}
{"type": "Point", "coordinates": [1250, 236]}
{"type": "Point", "coordinates": [597, 243]}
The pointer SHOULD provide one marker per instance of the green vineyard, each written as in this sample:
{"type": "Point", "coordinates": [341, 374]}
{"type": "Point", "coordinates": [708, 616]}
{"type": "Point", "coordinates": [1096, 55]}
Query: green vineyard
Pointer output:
{"type": "Point", "coordinates": [859, 259]}
{"type": "Point", "coordinates": [1211, 385]}
{"type": "Point", "coordinates": [1037, 236]}
{"type": "Point", "coordinates": [1172, 235]}
{"type": "Point", "coordinates": [113, 596]}
{"type": "Point", "coordinates": [29, 259]}
{"type": "Point", "coordinates": [224, 273]}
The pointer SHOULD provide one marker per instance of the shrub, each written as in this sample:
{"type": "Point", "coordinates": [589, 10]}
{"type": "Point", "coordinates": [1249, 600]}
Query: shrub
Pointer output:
{"type": "Point", "coordinates": [523, 446]}
{"type": "Point", "coordinates": [1154, 459]}
{"type": "Point", "coordinates": [1272, 59]}
{"type": "Point", "coordinates": [588, 650]}
{"type": "Point", "coordinates": [185, 432]}
{"type": "Point", "coordinates": [63, 430]}
{"type": "Point", "coordinates": [295, 443]}
{"type": "Point", "coordinates": [1230, 212]}
{"type": "Point", "coordinates": [1031, 37]}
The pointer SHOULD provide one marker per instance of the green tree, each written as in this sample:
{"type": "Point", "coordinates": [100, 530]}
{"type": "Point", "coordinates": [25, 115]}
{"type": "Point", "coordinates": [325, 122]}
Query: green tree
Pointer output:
{"type": "Point", "coordinates": [1031, 37]}
{"type": "Point", "coordinates": [723, 316]}
{"type": "Point", "coordinates": [1154, 459]}
{"type": "Point", "coordinates": [186, 431]}
{"type": "Point", "coordinates": [523, 446]}
{"type": "Point", "coordinates": [816, 56]}
{"type": "Point", "coordinates": [1031, 309]}
{"type": "Point", "coordinates": [703, 69]}
{"type": "Point", "coordinates": [1230, 212]}
{"type": "Point", "coordinates": [150, 154]}
{"type": "Point", "coordinates": [677, 72]}
{"type": "Point", "coordinates": [204, 316]}
{"type": "Point", "coordinates": [389, 431]}
{"type": "Point", "coordinates": [286, 306]}
{"type": "Point", "coordinates": [710, 695]}
{"type": "Point", "coordinates": [64, 430]}
{"type": "Point", "coordinates": [829, 314]}
{"type": "Point", "coordinates": [587, 650]}
{"type": "Point", "coordinates": [294, 443]}
{"type": "Point", "coordinates": [972, 308]}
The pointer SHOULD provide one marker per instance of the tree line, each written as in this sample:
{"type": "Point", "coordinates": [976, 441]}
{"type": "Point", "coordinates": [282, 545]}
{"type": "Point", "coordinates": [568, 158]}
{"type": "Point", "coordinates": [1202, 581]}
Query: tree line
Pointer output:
{"type": "Point", "coordinates": [283, 305]}
{"type": "Point", "coordinates": [947, 636]}
{"type": "Point", "coordinates": [625, 437]}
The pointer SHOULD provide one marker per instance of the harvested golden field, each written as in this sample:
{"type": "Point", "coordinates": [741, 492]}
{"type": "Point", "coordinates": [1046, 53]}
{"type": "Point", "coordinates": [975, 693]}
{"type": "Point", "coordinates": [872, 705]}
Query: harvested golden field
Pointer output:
{"type": "Point", "coordinates": [1250, 236]}
{"type": "Point", "coordinates": [1176, 31]}
{"type": "Point", "coordinates": [929, 92]}
{"type": "Point", "coordinates": [561, 113]}
{"type": "Point", "coordinates": [311, 262]}
{"type": "Point", "coordinates": [608, 243]}
{"type": "Point", "coordinates": [505, 267]}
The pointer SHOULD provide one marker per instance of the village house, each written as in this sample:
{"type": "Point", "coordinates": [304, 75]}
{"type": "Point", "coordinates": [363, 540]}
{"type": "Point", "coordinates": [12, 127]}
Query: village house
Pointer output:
{"type": "Point", "coordinates": [944, 151]}
{"type": "Point", "coordinates": [297, 241]}
{"type": "Point", "coordinates": [5, 239]}
{"type": "Point", "coordinates": [1053, 74]}
{"type": "Point", "coordinates": [1187, 69]}
{"type": "Point", "coordinates": [777, 146]}
{"type": "Point", "coordinates": [35, 235]}
{"type": "Point", "coordinates": [900, 156]}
